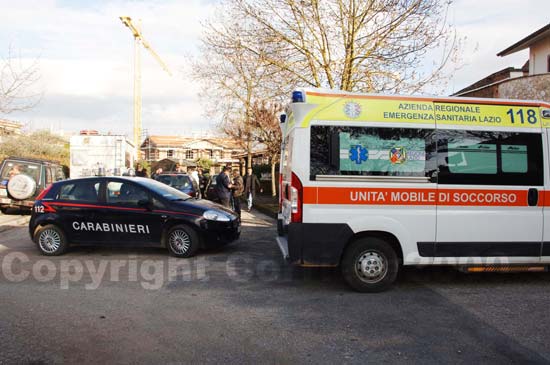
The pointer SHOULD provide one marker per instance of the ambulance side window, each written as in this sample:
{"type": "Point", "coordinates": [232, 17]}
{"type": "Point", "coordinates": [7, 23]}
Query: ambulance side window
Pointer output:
{"type": "Point", "coordinates": [372, 151]}
{"type": "Point", "coordinates": [490, 158]}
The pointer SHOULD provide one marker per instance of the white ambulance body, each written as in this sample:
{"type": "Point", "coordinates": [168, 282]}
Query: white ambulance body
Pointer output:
{"type": "Point", "coordinates": [371, 182]}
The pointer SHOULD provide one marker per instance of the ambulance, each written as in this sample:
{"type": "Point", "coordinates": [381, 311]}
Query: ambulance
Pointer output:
{"type": "Point", "coordinates": [372, 183]}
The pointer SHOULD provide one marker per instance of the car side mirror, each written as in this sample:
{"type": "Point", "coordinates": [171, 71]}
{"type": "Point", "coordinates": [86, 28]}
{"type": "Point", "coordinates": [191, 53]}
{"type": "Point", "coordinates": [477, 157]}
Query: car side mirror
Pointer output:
{"type": "Point", "coordinates": [145, 204]}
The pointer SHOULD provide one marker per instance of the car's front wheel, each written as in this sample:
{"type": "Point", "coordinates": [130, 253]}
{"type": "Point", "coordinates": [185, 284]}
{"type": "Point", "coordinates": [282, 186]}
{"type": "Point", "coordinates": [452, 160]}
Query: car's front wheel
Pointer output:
{"type": "Point", "coordinates": [370, 265]}
{"type": "Point", "coordinates": [51, 240]}
{"type": "Point", "coordinates": [182, 241]}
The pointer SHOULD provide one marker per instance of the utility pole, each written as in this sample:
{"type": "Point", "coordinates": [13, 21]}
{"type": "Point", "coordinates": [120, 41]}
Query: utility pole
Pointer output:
{"type": "Point", "coordinates": [138, 42]}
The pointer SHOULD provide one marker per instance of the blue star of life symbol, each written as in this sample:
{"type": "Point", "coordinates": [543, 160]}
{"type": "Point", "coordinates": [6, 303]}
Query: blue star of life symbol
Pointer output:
{"type": "Point", "coordinates": [358, 154]}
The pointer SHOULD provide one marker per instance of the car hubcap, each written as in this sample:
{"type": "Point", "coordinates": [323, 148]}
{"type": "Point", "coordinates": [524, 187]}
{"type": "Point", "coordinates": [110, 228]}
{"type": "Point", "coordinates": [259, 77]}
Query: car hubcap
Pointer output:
{"type": "Point", "coordinates": [371, 266]}
{"type": "Point", "coordinates": [49, 241]}
{"type": "Point", "coordinates": [180, 241]}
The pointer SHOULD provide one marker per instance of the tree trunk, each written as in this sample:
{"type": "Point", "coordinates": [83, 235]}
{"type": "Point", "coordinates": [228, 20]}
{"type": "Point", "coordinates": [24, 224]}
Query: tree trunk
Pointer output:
{"type": "Point", "coordinates": [248, 154]}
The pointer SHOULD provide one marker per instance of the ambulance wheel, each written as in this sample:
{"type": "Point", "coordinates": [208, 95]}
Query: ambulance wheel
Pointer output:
{"type": "Point", "coordinates": [51, 240]}
{"type": "Point", "coordinates": [370, 265]}
{"type": "Point", "coordinates": [182, 241]}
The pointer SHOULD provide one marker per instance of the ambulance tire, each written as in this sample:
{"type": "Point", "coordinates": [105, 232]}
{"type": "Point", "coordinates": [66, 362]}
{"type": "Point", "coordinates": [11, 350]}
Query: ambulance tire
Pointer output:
{"type": "Point", "coordinates": [51, 240]}
{"type": "Point", "coordinates": [182, 241]}
{"type": "Point", "coordinates": [370, 265]}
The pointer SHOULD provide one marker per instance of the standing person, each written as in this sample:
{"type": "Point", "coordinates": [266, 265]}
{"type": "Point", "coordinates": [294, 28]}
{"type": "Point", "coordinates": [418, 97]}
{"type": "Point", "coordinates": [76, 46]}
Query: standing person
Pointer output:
{"type": "Point", "coordinates": [202, 181]}
{"type": "Point", "coordinates": [223, 187]}
{"type": "Point", "coordinates": [141, 171]}
{"type": "Point", "coordinates": [238, 189]}
{"type": "Point", "coordinates": [250, 186]}
{"type": "Point", "coordinates": [193, 173]}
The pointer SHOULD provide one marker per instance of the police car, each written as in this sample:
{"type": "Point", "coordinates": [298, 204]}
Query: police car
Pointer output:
{"type": "Point", "coordinates": [136, 211]}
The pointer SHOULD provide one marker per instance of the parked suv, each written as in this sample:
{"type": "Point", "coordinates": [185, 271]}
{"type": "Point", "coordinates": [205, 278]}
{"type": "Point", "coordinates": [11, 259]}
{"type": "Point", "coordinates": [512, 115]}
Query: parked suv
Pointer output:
{"type": "Point", "coordinates": [23, 179]}
{"type": "Point", "coordinates": [181, 182]}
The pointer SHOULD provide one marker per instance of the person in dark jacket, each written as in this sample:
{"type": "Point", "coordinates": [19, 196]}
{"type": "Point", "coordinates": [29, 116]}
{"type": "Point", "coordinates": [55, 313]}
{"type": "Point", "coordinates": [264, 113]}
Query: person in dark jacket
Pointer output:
{"type": "Point", "coordinates": [223, 187]}
{"type": "Point", "coordinates": [141, 171]}
{"type": "Point", "coordinates": [238, 189]}
{"type": "Point", "coordinates": [251, 183]}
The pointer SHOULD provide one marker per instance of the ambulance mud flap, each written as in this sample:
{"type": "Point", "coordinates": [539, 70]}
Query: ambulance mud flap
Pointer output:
{"type": "Point", "coordinates": [317, 244]}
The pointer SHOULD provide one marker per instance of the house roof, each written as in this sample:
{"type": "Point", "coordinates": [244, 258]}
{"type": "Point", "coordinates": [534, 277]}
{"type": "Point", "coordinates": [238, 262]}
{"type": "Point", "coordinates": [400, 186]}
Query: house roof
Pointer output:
{"type": "Point", "coordinates": [179, 141]}
{"type": "Point", "coordinates": [527, 41]}
{"type": "Point", "coordinates": [503, 74]}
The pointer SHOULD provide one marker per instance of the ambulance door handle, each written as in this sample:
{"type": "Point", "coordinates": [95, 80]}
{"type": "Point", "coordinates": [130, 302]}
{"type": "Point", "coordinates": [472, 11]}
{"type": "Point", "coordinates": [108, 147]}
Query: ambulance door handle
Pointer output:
{"type": "Point", "coordinates": [532, 197]}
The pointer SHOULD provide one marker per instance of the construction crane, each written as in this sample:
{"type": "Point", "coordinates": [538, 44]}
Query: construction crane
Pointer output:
{"type": "Point", "coordinates": [139, 41]}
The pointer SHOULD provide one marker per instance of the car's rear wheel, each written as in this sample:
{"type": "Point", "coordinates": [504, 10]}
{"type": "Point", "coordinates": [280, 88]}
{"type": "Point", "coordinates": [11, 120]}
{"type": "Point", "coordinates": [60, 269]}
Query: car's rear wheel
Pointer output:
{"type": "Point", "coordinates": [370, 265]}
{"type": "Point", "coordinates": [182, 241]}
{"type": "Point", "coordinates": [51, 240]}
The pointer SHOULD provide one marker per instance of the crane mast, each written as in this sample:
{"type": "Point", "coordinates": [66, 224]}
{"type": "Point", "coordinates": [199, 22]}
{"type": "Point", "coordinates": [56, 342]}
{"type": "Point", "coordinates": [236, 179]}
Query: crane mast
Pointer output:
{"type": "Point", "coordinates": [139, 41]}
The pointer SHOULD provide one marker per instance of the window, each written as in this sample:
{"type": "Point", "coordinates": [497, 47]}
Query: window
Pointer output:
{"type": "Point", "coordinates": [170, 153]}
{"type": "Point", "coordinates": [189, 155]}
{"type": "Point", "coordinates": [12, 168]}
{"type": "Point", "coordinates": [548, 63]}
{"type": "Point", "coordinates": [126, 194]}
{"type": "Point", "coordinates": [372, 151]}
{"type": "Point", "coordinates": [87, 191]}
{"type": "Point", "coordinates": [49, 178]}
{"type": "Point", "coordinates": [489, 158]}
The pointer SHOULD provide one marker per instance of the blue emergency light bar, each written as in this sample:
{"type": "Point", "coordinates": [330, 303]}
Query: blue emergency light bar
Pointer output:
{"type": "Point", "coordinates": [298, 97]}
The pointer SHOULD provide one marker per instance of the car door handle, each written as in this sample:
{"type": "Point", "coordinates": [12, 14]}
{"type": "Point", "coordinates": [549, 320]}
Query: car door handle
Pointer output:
{"type": "Point", "coordinates": [533, 197]}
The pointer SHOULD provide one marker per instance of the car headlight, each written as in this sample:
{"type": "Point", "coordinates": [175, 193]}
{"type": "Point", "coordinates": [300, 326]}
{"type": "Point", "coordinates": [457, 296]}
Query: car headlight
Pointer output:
{"type": "Point", "coordinates": [214, 215]}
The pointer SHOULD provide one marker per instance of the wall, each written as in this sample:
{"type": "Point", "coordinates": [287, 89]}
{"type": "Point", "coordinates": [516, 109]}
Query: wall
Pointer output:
{"type": "Point", "coordinates": [89, 153]}
{"type": "Point", "coordinates": [527, 88]}
{"type": "Point", "coordinates": [538, 57]}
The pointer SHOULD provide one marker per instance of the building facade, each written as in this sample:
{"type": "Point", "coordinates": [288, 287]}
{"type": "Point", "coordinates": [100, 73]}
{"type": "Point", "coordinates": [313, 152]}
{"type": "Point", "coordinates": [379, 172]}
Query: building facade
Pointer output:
{"type": "Point", "coordinates": [187, 150]}
{"type": "Point", "coordinates": [9, 127]}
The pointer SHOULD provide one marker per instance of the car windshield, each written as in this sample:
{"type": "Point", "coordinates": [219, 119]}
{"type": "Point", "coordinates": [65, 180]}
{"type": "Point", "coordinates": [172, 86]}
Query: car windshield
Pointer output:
{"type": "Point", "coordinates": [12, 168]}
{"type": "Point", "coordinates": [164, 190]}
{"type": "Point", "coordinates": [176, 181]}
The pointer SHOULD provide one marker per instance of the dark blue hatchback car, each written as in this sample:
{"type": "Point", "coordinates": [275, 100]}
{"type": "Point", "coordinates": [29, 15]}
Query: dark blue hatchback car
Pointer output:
{"type": "Point", "coordinates": [135, 211]}
{"type": "Point", "coordinates": [181, 182]}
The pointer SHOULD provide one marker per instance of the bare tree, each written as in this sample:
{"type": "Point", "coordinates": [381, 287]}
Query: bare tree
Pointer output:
{"type": "Point", "coordinates": [16, 81]}
{"type": "Point", "coordinates": [265, 120]}
{"type": "Point", "coordinates": [354, 45]}
{"type": "Point", "coordinates": [231, 80]}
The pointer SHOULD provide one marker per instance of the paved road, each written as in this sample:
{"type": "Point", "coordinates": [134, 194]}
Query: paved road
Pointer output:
{"type": "Point", "coordinates": [243, 304]}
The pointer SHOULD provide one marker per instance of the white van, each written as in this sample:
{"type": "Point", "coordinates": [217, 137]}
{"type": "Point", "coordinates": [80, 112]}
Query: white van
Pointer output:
{"type": "Point", "coordinates": [372, 182]}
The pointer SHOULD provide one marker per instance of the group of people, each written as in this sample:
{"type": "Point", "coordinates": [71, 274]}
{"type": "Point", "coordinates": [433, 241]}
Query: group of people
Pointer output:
{"type": "Point", "coordinates": [231, 187]}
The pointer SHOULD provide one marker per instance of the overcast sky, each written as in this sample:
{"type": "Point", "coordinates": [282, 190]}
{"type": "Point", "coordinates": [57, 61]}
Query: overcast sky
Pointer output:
{"type": "Point", "coordinates": [86, 57]}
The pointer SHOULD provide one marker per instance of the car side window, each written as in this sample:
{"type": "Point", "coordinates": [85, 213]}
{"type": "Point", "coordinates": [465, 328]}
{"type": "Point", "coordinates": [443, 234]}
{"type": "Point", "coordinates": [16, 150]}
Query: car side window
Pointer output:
{"type": "Point", "coordinates": [49, 178]}
{"type": "Point", "coordinates": [125, 193]}
{"type": "Point", "coordinates": [82, 191]}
